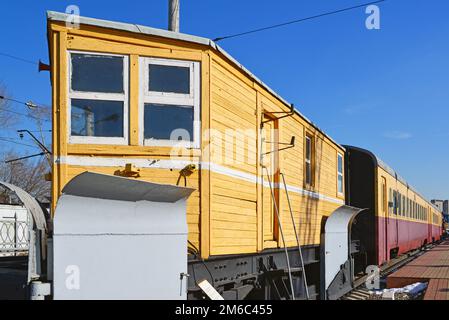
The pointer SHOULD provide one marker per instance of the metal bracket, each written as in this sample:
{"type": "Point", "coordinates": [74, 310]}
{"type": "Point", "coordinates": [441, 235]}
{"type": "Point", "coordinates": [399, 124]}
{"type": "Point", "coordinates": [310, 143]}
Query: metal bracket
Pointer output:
{"type": "Point", "coordinates": [187, 171]}
{"type": "Point", "coordinates": [130, 171]}
{"type": "Point", "coordinates": [286, 114]}
{"type": "Point", "coordinates": [290, 145]}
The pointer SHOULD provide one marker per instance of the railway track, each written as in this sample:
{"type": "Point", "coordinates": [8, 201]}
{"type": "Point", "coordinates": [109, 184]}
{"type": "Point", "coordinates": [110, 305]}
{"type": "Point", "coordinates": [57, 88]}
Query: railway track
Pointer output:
{"type": "Point", "coordinates": [19, 262]}
{"type": "Point", "coordinates": [360, 292]}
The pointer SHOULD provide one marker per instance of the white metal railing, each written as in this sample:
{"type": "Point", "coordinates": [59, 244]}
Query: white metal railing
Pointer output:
{"type": "Point", "coordinates": [13, 236]}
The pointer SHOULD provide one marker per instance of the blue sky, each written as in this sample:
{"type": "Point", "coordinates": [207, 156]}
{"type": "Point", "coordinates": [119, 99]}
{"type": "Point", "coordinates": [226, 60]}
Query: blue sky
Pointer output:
{"type": "Point", "coordinates": [385, 90]}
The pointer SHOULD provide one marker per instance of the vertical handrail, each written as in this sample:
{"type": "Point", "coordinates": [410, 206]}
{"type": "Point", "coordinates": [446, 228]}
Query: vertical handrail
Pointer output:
{"type": "Point", "coordinates": [297, 237]}
{"type": "Point", "coordinates": [282, 234]}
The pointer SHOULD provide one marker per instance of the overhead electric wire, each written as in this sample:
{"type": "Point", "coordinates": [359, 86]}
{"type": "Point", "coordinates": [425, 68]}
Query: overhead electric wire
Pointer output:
{"type": "Point", "coordinates": [298, 20]}
{"type": "Point", "coordinates": [18, 143]}
{"type": "Point", "coordinates": [24, 114]}
{"type": "Point", "coordinates": [28, 104]}
{"type": "Point", "coordinates": [17, 58]}
{"type": "Point", "coordinates": [25, 157]}
{"type": "Point", "coordinates": [33, 131]}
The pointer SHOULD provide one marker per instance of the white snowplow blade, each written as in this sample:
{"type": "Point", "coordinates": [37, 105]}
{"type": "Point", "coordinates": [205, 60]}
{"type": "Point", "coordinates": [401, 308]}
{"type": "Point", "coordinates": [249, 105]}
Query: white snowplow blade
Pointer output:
{"type": "Point", "coordinates": [336, 243]}
{"type": "Point", "coordinates": [118, 238]}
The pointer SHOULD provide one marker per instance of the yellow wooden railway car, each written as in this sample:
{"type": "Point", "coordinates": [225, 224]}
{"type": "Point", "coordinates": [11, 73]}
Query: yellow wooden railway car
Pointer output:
{"type": "Point", "coordinates": [177, 109]}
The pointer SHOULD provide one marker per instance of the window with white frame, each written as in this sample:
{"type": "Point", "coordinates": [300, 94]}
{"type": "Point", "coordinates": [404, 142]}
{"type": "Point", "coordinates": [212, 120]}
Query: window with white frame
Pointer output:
{"type": "Point", "coordinates": [97, 98]}
{"type": "Point", "coordinates": [340, 173]}
{"type": "Point", "coordinates": [170, 102]}
{"type": "Point", "coordinates": [308, 161]}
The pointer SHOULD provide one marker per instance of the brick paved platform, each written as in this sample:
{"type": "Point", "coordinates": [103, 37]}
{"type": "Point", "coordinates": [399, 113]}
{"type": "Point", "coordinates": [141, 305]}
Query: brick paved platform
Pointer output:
{"type": "Point", "coordinates": [432, 267]}
{"type": "Point", "coordinates": [438, 289]}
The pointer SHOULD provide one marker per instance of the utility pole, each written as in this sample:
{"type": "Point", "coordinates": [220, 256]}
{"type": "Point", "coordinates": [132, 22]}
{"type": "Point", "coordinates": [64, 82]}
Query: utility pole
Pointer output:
{"type": "Point", "coordinates": [173, 15]}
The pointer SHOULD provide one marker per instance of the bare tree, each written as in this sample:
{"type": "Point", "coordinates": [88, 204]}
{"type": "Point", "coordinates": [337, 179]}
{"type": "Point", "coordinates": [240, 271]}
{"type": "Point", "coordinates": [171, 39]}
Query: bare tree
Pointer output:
{"type": "Point", "coordinates": [7, 119]}
{"type": "Point", "coordinates": [41, 114]}
{"type": "Point", "coordinates": [28, 174]}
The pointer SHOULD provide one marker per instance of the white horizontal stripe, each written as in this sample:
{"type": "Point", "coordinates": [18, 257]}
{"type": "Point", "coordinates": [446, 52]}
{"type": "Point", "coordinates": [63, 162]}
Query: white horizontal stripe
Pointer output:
{"type": "Point", "coordinates": [254, 179]}
{"type": "Point", "coordinates": [121, 162]}
{"type": "Point", "coordinates": [229, 172]}
{"type": "Point", "coordinates": [312, 194]}
{"type": "Point", "coordinates": [181, 164]}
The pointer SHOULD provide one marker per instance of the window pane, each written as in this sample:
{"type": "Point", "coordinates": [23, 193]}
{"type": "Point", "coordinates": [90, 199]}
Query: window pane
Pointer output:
{"type": "Point", "coordinates": [308, 148]}
{"type": "Point", "coordinates": [161, 121]}
{"type": "Point", "coordinates": [169, 79]}
{"type": "Point", "coordinates": [340, 164]}
{"type": "Point", "coordinates": [97, 118]}
{"type": "Point", "coordinates": [95, 73]}
{"type": "Point", "coordinates": [308, 174]}
{"type": "Point", "coordinates": [390, 199]}
{"type": "Point", "coordinates": [340, 184]}
{"type": "Point", "coordinates": [395, 205]}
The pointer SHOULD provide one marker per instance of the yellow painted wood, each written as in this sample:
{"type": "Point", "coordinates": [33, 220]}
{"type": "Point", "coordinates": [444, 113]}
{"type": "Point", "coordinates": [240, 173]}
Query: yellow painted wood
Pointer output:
{"type": "Point", "coordinates": [283, 137]}
{"type": "Point", "coordinates": [234, 190]}
{"type": "Point", "coordinates": [100, 45]}
{"type": "Point", "coordinates": [61, 110]}
{"type": "Point", "coordinates": [259, 194]}
{"type": "Point", "coordinates": [124, 37]}
{"type": "Point", "coordinates": [270, 164]}
{"type": "Point", "coordinates": [54, 54]}
{"type": "Point", "coordinates": [219, 60]}
{"type": "Point", "coordinates": [131, 151]}
{"type": "Point", "coordinates": [205, 174]}
{"type": "Point", "coordinates": [134, 100]}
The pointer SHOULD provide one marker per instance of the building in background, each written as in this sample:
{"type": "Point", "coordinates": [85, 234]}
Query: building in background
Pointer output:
{"type": "Point", "coordinates": [446, 212]}
{"type": "Point", "coordinates": [438, 204]}
{"type": "Point", "coordinates": [443, 206]}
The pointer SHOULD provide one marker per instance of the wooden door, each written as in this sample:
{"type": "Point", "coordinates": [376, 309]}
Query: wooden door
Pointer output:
{"type": "Point", "coordinates": [270, 173]}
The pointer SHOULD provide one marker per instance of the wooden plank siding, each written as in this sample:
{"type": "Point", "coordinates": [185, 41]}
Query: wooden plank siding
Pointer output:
{"type": "Point", "coordinates": [234, 106]}
{"type": "Point", "coordinates": [224, 214]}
